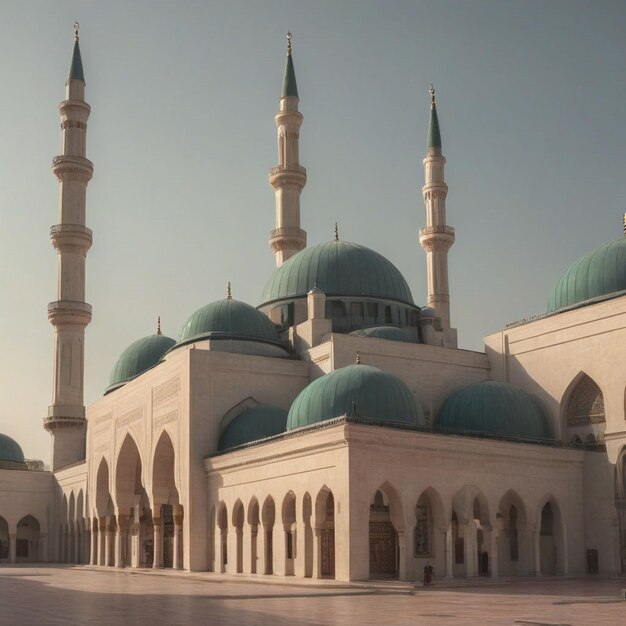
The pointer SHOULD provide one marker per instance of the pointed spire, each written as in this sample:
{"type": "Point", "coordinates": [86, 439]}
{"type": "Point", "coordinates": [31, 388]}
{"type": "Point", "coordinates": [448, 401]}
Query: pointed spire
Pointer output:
{"type": "Point", "coordinates": [434, 135]}
{"type": "Point", "coordinates": [358, 358]}
{"type": "Point", "coordinates": [290, 88]}
{"type": "Point", "coordinates": [229, 295]}
{"type": "Point", "coordinates": [624, 224]}
{"type": "Point", "coordinates": [336, 232]}
{"type": "Point", "coordinates": [159, 326]}
{"type": "Point", "coordinates": [76, 68]}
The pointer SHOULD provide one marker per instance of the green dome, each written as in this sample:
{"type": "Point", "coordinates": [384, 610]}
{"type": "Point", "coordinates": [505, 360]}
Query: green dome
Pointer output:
{"type": "Point", "coordinates": [338, 268]}
{"type": "Point", "coordinates": [10, 450]}
{"type": "Point", "coordinates": [228, 319]}
{"type": "Point", "coordinates": [359, 390]}
{"type": "Point", "coordinates": [140, 356]}
{"type": "Point", "coordinates": [599, 273]}
{"type": "Point", "coordinates": [493, 408]}
{"type": "Point", "coordinates": [386, 332]}
{"type": "Point", "coordinates": [253, 424]}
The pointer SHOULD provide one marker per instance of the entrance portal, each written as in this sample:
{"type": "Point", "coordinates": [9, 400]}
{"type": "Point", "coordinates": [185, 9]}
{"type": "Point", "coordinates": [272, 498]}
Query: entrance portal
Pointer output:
{"type": "Point", "coordinates": [547, 545]}
{"type": "Point", "coordinates": [383, 545]}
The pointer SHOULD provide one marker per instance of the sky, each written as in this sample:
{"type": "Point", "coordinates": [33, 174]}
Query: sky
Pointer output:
{"type": "Point", "coordinates": [183, 93]}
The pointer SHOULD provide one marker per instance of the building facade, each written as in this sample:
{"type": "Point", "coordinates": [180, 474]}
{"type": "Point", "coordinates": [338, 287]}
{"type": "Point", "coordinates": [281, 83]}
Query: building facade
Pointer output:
{"type": "Point", "coordinates": [335, 429]}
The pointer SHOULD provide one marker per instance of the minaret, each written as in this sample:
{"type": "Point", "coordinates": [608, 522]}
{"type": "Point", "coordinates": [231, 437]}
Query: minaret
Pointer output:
{"type": "Point", "coordinates": [70, 314]}
{"type": "Point", "coordinates": [437, 237]}
{"type": "Point", "coordinates": [289, 177]}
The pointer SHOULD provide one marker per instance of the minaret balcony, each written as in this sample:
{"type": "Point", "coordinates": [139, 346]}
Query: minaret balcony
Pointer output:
{"type": "Point", "coordinates": [72, 238]}
{"type": "Point", "coordinates": [288, 176]}
{"type": "Point", "coordinates": [441, 237]}
{"type": "Point", "coordinates": [287, 239]}
{"type": "Point", "coordinates": [69, 166]}
{"type": "Point", "coordinates": [69, 312]}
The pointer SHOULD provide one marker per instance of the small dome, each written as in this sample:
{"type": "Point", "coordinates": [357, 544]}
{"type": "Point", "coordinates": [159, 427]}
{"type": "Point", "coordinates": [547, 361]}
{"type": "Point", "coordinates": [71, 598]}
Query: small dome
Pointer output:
{"type": "Point", "coordinates": [386, 332]}
{"type": "Point", "coordinates": [11, 455]}
{"type": "Point", "coordinates": [253, 424]}
{"type": "Point", "coordinates": [338, 268]}
{"type": "Point", "coordinates": [599, 273]}
{"type": "Point", "coordinates": [359, 390]}
{"type": "Point", "coordinates": [427, 311]}
{"type": "Point", "coordinates": [139, 357]}
{"type": "Point", "coordinates": [228, 319]}
{"type": "Point", "coordinates": [493, 408]}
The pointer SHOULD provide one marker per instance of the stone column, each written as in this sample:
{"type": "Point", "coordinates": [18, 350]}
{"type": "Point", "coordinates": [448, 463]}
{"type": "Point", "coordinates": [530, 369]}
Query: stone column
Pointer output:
{"type": "Point", "coordinates": [77, 538]}
{"type": "Point", "coordinates": [536, 535]}
{"type": "Point", "coordinates": [260, 548]}
{"type": "Point", "coordinates": [279, 544]}
{"type": "Point", "coordinates": [565, 559]}
{"type": "Point", "coordinates": [12, 547]}
{"type": "Point", "coordinates": [157, 523]}
{"type": "Point", "coordinates": [135, 544]}
{"type": "Point", "coordinates": [178, 534]}
{"type": "Point", "coordinates": [247, 548]}
{"type": "Point", "coordinates": [109, 539]}
{"type": "Point", "coordinates": [317, 553]}
{"type": "Point", "coordinates": [469, 548]}
{"type": "Point", "coordinates": [93, 557]}
{"type": "Point", "coordinates": [494, 537]}
{"type": "Point", "coordinates": [447, 538]}
{"type": "Point", "coordinates": [300, 550]}
{"type": "Point", "coordinates": [401, 555]}
{"type": "Point", "coordinates": [103, 544]}
{"type": "Point", "coordinates": [231, 550]}
{"type": "Point", "coordinates": [121, 540]}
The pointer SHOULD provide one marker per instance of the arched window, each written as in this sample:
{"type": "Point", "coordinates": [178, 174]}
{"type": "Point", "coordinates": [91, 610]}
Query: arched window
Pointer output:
{"type": "Point", "coordinates": [586, 404]}
{"type": "Point", "coordinates": [423, 528]}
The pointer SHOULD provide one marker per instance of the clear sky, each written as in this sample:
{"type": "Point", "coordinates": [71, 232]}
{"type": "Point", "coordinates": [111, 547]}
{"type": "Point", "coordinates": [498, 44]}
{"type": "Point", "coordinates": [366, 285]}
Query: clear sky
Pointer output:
{"type": "Point", "coordinates": [183, 93]}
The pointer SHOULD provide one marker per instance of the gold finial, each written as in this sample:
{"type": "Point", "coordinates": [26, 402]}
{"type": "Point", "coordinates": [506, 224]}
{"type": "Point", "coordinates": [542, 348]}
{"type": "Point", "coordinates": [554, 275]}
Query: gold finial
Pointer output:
{"type": "Point", "coordinates": [76, 29]}
{"type": "Point", "coordinates": [336, 232]}
{"type": "Point", "coordinates": [624, 224]}
{"type": "Point", "coordinates": [159, 326]}
{"type": "Point", "coordinates": [289, 36]}
{"type": "Point", "coordinates": [229, 295]}
{"type": "Point", "coordinates": [431, 91]}
{"type": "Point", "coordinates": [358, 358]}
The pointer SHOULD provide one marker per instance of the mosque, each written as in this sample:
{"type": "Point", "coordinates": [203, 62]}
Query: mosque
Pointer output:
{"type": "Point", "coordinates": [335, 430]}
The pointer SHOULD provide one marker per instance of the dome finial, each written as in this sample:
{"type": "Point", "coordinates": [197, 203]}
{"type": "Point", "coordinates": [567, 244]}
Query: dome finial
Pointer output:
{"type": "Point", "coordinates": [76, 29]}
{"type": "Point", "coordinates": [358, 358]}
{"type": "Point", "coordinates": [336, 232]}
{"type": "Point", "coordinates": [289, 36]}
{"type": "Point", "coordinates": [229, 295]}
{"type": "Point", "coordinates": [159, 325]}
{"type": "Point", "coordinates": [624, 224]}
{"type": "Point", "coordinates": [432, 96]}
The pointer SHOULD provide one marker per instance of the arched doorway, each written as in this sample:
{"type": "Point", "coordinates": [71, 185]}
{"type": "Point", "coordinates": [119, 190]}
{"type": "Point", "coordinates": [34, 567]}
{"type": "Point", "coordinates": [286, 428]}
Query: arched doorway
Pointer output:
{"type": "Point", "coordinates": [238, 519]}
{"type": "Point", "coordinates": [620, 502]}
{"type": "Point", "coordinates": [325, 526]}
{"type": "Point", "coordinates": [547, 542]}
{"type": "Point", "coordinates": [27, 539]}
{"type": "Point", "coordinates": [289, 526]}
{"type": "Point", "coordinates": [222, 525]}
{"type": "Point", "coordinates": [104, 508]}
{"type": "Point", "coordinates": [253, 521]}
{"type": "Point", "coordinates": [482, 553]}
{"type": "Point", "coordinates": [268, 517]}
{"type": "Point", "coordinates": [167, 512]}
{"type": "Point", "coordinates": [4, 539]}
{"type": "Point", "coordinates": [383, 545]}
{"type": "Point", "coordinates": [307, 512]}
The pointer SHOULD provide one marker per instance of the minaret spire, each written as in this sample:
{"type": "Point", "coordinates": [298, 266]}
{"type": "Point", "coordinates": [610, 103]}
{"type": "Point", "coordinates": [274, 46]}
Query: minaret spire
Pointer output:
{"type": "Point", "coordinates": [70, 314]}
{"type": "Point", "coordinates": [288, 178]}
{"type": "Point", "coordinates": [437, 237]}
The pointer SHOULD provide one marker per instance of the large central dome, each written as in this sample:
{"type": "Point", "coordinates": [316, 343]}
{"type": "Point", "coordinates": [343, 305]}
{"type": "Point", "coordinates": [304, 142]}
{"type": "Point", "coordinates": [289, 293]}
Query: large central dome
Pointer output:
{"type": "Point", "coordinates": [338, 268]}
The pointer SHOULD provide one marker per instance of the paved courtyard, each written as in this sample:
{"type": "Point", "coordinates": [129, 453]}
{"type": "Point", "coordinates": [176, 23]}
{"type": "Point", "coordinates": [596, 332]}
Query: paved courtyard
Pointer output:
{"type": "Point", "coordinates": [51, 595]}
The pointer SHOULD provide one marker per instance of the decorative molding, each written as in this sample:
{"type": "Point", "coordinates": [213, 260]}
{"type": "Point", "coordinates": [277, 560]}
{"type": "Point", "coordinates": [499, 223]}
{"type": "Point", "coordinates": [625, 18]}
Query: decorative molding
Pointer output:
{"type": "Point", "coordinates": [130, 416]}
{"type": "Point", "coordinates": [166, 391]}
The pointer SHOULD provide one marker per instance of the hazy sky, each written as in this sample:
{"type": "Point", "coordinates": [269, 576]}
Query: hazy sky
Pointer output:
{"type": "Point", "coordinates": [531, 104]}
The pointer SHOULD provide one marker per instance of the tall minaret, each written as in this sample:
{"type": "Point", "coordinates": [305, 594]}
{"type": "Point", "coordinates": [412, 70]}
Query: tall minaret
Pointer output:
{"type": "Point", "coordinates": [70, 314]}
{"type": "Point", "coordinates": [437, 237]}
{"type": "Point", "coordinates": [289, 177]}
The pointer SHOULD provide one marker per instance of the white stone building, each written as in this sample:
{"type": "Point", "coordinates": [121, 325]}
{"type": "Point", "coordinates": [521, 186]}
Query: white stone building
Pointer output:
{"type": "Point", "coordinates": [335, 430]}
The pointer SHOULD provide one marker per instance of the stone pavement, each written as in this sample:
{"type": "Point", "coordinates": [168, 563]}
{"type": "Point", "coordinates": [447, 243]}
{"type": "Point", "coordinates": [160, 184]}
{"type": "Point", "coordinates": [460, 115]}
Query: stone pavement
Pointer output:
{"type": "Point", "coordinates": [51, 595]}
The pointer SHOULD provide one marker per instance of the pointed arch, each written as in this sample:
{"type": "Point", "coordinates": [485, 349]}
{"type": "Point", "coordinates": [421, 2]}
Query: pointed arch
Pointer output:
{"type": "Point", "coordinates": [238, 519]}
{"type": "Point", "coordinates": [27, 539]}
{"type": "Point", "coordinates": [549, 525]}
{"type": "Point", "coordinates": [429, 516]}
{"type": "Point", "coordinates": [236, 410]}
{"type": "Point", "coordinates": [582, 409]}
{"type": "Point", "coordinates": [164, 489]}
{"type": "Point", "coordinates": [325, 532]}
{"type": "Point", "coordinates": [128, 475]}
{"type": "Point", "coordinates": [254, 521]}
{"type": "Point", "coordinates": [268, 517]}
{"type": "Point", "coordinates": [307, 514]}
{"type": "Point", "coordinates": [104, 505]}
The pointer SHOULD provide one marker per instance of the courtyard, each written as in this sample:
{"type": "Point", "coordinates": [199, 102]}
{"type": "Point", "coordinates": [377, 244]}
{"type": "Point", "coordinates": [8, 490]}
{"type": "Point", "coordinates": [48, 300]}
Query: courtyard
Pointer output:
{"type": "Point", "coordinates": [77, 595]}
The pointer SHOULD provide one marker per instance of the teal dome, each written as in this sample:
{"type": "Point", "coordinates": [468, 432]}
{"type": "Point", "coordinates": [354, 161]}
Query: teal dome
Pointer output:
{"type": "Point", "coordinates": [359, 390]}
{"type": "Point", "coordinates": [11, 455]}
{"type": "Point", "coordinates": [393, 333]}
{"type": "Point", "coordinates": [228, 319]}
{"type": "Point", "coordinates": [139, 357]}
{"type": "Point", "coordinates": [338, 268]}
{"type": "Point", "coordinates": [493, 408]}
{"type": "Point", "coordinates": [599, 273]}
{"type": "Point", "coordinates": [253, 424]}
